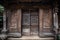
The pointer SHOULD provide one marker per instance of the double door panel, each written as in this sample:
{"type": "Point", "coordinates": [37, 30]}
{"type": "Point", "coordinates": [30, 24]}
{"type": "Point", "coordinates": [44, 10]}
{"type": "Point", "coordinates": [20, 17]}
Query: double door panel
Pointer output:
{"type": "Point", "coordinates": [30, 23]}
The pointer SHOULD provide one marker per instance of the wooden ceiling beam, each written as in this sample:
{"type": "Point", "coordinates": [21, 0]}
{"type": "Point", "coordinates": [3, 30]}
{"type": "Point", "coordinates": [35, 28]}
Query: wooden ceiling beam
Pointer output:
{"type": "Point", "coordinates": [29, 3]}
{"type": "Point", "coordinates": [32, 3]}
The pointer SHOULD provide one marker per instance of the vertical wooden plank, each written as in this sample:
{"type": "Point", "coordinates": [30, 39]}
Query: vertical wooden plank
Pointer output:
{"type": "Point", "coordinates": [3, 36]}
{"type": "Point", "coordinates": [19, 20]}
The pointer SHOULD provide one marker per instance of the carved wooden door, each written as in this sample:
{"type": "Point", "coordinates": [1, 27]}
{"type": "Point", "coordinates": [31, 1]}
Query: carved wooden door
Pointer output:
{"type": "Point", "coordinates": [30, 23]}
{"type": "Point", "coordinates": [26, 24]}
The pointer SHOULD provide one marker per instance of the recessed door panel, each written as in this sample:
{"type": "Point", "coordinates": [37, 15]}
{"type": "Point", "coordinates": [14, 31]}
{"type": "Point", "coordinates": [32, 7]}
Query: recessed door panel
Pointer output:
{"type": "Point", "coordinates": [26, 30]}
{"type": "Point", "coordinates": [26, 19]}
{"type": "Point", "coordinates": [34, 30]}
{"type": "Point", "coordinates": [34, 23]}
{"type": "Point", "coordinates": [26, 24]}
{"type": "Point", "coordinates": [34, 20]}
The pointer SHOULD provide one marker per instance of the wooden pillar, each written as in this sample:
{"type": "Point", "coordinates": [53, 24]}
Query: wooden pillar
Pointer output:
{"type": "Point", "coordinates": [55, 16]}
{"type": "Point", "coordinates": [40, 21]}
{"type": "Point", "coordinates": [4, 30]}
{"type": "Point", "coordinates": [19, 21]}
{"type": "Point", "coordinates": [4, 22]}
{"type": "Point", "coordinates": [55, 20]}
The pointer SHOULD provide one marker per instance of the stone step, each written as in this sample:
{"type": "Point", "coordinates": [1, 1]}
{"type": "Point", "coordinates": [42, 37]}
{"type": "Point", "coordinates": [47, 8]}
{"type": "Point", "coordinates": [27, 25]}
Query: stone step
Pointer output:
{"type": "Point", "coordinates": [31, 38]}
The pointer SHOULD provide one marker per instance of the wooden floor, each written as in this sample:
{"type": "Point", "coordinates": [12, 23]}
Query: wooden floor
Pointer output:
{"type": "Point", "coordinates": [31, 38]}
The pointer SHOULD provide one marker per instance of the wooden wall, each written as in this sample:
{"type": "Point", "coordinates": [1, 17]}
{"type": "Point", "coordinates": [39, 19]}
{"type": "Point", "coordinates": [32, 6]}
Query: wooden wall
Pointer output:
{"type": "Point", "coordinates": [14, 21]}
{"type": "Point", "coordinates": [45, 20]}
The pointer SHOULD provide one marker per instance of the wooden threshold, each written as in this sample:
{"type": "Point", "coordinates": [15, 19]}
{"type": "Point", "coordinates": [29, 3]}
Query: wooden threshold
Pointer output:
{"type": "Point", "coordinates": [31, 38]}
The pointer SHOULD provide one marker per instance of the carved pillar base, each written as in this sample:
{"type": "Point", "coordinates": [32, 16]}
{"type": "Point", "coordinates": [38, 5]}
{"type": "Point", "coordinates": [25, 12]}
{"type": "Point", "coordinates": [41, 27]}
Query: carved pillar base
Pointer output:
{"type": "Point", "coordinates": [4, 31]}
{"type": "Point", "coordinates": [3, 36]}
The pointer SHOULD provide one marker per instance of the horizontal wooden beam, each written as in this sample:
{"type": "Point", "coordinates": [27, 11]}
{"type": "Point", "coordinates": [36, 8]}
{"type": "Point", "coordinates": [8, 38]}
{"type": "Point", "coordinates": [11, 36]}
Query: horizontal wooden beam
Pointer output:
{"type": "Point", "coordinates": [27, 2]}
{"type": "Point", "coordinates": [30, 3]}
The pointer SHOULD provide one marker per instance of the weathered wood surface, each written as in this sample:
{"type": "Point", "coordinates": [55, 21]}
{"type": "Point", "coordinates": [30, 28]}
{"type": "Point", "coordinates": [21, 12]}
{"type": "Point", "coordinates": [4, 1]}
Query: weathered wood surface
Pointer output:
{"type": "Point", "coordinates": [45, 20]}
{"type": "Point", "coordinates": [14, 21]}
{"type": "Point", "coordinates": [45, 23]}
